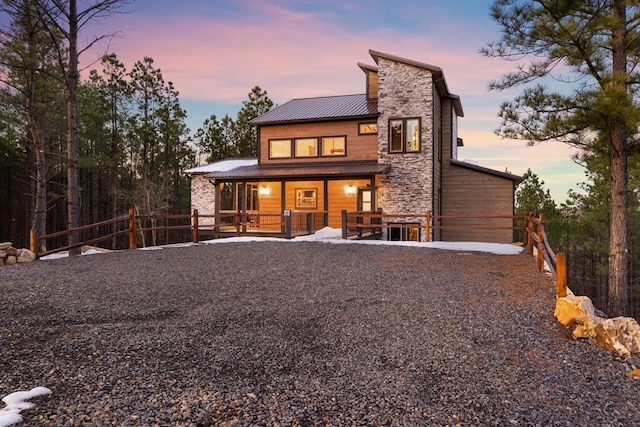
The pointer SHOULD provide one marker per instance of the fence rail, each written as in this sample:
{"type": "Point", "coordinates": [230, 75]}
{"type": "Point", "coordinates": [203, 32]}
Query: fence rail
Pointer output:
{"type": "Point", "coordinates": [144, 229]}
{"type": "Point", "coordinates": [372, 223]}
{"type": "Point", "coordinates": [557, 263]}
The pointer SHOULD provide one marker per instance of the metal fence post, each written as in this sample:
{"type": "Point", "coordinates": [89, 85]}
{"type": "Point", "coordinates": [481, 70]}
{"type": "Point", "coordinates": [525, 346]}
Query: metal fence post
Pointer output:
{"type": "Point", "coordinates": [345, 233]}
{"type": "Point", "coordinates": [287, 224]}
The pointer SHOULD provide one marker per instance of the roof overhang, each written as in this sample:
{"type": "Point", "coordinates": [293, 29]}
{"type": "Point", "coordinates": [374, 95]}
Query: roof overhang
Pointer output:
{"type": "Point", "coordinates": [515, 178]}
{"type": "Point", "coordinates": [315, 171]}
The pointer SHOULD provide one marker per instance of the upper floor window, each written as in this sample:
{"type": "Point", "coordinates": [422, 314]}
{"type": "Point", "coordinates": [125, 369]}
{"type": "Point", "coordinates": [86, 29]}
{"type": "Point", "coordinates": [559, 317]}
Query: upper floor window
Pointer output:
{"type": "Point", "coordinates": [367, 128]}
{"type": "Point", "coordinates": [334, 146]}
{"type": "Point", "coordinates": [279, 148]}
{"type": "Point", "coordinates": [307, 147]}
{"type": "Point", "coordinates": [404, 135]}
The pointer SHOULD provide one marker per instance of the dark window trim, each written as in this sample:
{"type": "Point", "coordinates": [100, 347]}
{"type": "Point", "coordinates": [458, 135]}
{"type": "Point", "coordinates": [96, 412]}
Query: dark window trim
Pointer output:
{"type": "Point", "coordinates": [281, 139]}
{"type": "Point", "coordinates": [367, 123]}
{"type": "Point", "coordinates": [295, 147]}
{"type": "Point", "coordinates": [319, 139]}
{"type": "Point", "coordinates": [332, 155]}
{"type": "Point", "coordinates": [404, 141]}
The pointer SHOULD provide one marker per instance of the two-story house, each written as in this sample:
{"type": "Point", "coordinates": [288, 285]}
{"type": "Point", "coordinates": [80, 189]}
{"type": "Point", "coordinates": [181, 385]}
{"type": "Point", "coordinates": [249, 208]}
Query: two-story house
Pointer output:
{"type": "Point", "coordinates": [392, 148]}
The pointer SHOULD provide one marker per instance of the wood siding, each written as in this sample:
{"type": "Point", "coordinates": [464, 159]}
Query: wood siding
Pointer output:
{"type": "Point", "coordinates": [467, 192]}
{"type": "Point", "coordinates": [358, 147]}
{"type": "Point", "coordinates": [372, 85]}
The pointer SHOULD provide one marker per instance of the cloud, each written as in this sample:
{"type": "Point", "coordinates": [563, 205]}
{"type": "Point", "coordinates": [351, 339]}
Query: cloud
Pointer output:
{"type": "Point", "coordinates": [219, 56]}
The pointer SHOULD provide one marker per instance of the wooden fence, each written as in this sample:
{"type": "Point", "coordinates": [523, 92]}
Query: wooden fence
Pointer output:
{"type": "Point", "coordinates": [133, 230]}
{"type": "Point", "coordinates": [364, 224]}
{"type": "Point", "coordinates": [557, 263]}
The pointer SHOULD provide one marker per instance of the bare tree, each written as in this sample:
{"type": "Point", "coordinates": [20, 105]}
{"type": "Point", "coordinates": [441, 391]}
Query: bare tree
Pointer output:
{"type": "Point", "coordinates": [65, 20]}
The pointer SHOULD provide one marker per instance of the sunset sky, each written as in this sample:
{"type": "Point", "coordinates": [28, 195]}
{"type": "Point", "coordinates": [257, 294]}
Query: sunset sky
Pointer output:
{"type": "Point", "coordinates": [215, 51]}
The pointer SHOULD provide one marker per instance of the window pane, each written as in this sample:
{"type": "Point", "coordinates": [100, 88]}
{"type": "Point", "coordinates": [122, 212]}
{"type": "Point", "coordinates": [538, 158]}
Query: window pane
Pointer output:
{"type": "Point", "coordinates": [367, 128]}
{"type": "Point", "coordinates": [280, 148]}
{"type": "Point", "coordinates": [396, 135]}
{"type": "Point", "coordinates": [334, 146]}
{"type": "Point", "coordinates": [413, 135]}
{"type": "Point", "coordinates": [307, 147]}
{"type": "Point", "coordinates": [227, 197]}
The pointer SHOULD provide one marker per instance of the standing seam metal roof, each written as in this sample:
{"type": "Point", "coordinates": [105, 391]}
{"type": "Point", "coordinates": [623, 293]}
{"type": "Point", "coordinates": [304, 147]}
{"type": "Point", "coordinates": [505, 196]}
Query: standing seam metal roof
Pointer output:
{"type": "Point", "coordinates": [327, 107]}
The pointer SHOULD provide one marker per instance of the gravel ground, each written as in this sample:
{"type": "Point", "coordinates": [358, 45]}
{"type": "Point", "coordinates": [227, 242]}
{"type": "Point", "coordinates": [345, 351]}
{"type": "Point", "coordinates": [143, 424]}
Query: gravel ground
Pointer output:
{"type": "Point", "coordinates": [300, 334]}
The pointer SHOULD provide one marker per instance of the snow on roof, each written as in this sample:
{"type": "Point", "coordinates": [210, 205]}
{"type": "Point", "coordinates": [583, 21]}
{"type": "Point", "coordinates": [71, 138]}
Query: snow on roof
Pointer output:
{"type": "Point", "coordinates": [223, 165]}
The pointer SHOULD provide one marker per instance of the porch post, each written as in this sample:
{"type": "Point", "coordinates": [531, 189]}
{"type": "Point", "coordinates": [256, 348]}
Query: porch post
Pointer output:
{"type": "Point", "coordinates": [283, 204]}
{"type": "Point", "coordinates": [244, 205]}
{"type": "Point", "coordinates": [325, 220]}
{"type": "Point", "coordinates": [374, 198]}
{"type": "Point", "coordinates": [216, 208]}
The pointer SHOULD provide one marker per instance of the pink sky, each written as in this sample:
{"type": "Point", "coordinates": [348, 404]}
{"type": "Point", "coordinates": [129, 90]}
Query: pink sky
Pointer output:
{"type": "Point", "coordinates": [216, 51]}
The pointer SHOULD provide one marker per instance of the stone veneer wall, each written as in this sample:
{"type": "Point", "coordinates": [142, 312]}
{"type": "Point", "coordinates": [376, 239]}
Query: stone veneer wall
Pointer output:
{"type": "Point", "coordinates": [203, 196]}
{"type": "Point", "coordinates": [405, 91]}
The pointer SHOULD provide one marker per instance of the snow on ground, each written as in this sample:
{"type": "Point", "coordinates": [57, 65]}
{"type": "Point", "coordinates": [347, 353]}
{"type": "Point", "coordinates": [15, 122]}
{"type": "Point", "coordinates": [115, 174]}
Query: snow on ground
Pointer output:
{"type": "Point", "coordinates": [16, 402]}
{"type": "Point", "coordinates": [334, 235]}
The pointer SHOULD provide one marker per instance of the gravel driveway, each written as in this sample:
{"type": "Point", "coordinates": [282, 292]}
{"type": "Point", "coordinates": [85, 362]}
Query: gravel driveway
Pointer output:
{"type": "Point", "coordinates": [300, 334]}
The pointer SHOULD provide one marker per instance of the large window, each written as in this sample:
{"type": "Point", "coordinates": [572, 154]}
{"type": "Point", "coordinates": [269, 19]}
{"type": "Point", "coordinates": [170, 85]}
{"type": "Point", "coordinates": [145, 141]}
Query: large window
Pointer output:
{"type": "Point", "coordinates": [334, 146]}
{"type": "Point", "coordinates": [404, 135]}
{"type": "Point", "coordinates": [326, 146]}
{"type": "Point", "coordinates": [279, 148]}
{"type": "Point", "coordinates": [307, 147]}
{"type": "Point", "coordinates": [231, 198]}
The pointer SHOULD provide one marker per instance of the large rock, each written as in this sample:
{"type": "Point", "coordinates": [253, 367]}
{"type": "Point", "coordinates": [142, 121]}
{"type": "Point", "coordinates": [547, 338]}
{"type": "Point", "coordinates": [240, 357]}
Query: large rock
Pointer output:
{"type": "Point", "coordinates": [5, 245]}
{"type": "Point", "coordinates": [573, 310]}
{"type": "Point", "coordinates": [620, 335]}
{"type": "Point", "coordinates": [25, 255]}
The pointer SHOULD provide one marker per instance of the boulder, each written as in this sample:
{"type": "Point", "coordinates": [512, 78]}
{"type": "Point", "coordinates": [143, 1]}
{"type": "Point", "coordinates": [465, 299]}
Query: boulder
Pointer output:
{"type": "Point", "coordinates": [619, 334]}
{"type": "Point", "coordinates": [25, 255]}
{"type": "Point", "coordinates": [10, 260]}
{"type": "Point", "coordinates": [571, 310]}
{"type": "Point", "coordinates": [5, 245]}
{"type": "Point", "coordinates": [11, 251]}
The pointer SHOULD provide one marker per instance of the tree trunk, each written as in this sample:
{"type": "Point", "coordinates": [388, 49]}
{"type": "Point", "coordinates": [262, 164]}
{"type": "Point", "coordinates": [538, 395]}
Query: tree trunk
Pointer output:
{"type": "Point", "coordinates": [73, 197]}
{"type": "Point", "coordinates": [618, 294]}
{"type": "Point", "coordinates": [39, 219]}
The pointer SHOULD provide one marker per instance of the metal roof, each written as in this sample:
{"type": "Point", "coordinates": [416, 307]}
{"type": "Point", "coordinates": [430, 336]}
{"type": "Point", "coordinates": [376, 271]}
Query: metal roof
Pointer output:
{"type": "Point", "coordinates": [308, 171]}
{"type": "Point", "coordinates": [222, 165]}
{"type": "Point", "coordinates": [506, 175]}
{"type": "Point", "coordinates": [327, 107]}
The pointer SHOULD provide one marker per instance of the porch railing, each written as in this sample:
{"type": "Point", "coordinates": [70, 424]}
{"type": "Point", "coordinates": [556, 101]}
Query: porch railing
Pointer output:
{"type": "Point", "coordinates": [362, 224]}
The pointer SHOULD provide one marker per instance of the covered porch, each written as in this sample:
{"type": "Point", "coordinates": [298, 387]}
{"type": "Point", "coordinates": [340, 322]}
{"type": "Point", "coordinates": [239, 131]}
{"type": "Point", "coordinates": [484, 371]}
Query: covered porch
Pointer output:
{"type": "Point", "coordinates": [255, 199]}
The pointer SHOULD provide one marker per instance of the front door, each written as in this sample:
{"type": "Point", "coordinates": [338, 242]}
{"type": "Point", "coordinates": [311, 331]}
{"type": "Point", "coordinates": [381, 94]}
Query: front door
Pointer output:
{"type": "Point", "coordinates": [364, 200]}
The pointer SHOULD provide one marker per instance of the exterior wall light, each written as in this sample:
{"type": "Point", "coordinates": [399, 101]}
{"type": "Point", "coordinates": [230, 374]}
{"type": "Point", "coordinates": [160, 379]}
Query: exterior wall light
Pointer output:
{"type": "Point", "coordinates": [264, 191]}
{"type": "Point", "coordinates": [350, 190]}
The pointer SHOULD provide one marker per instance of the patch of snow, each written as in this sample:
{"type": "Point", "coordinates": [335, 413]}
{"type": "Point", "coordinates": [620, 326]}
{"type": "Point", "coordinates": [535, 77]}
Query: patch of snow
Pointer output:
{"type": "Point", "coordinates": [471, 162]}
{"type": "Point", "coordinates": [16, 402]}
{"type": "Point", "coordinates": [334, 236]}
{"type": "Point", "coordinates": [223, 165]}
{"type": "Point", "coordinates": [64, 254]}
